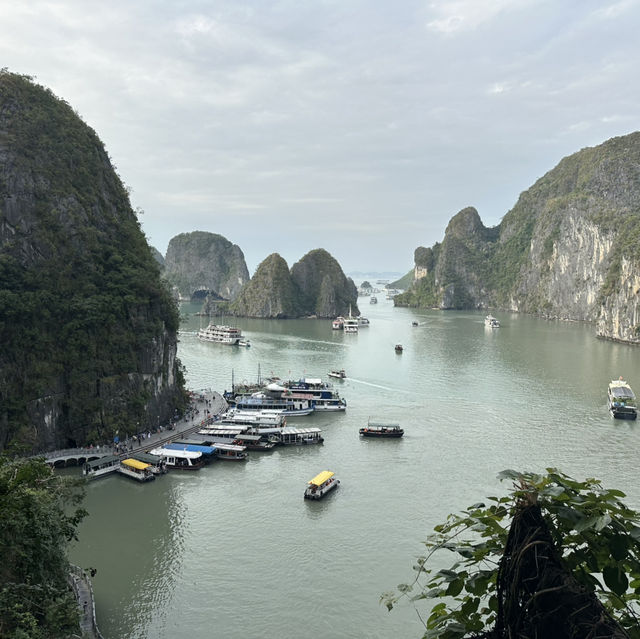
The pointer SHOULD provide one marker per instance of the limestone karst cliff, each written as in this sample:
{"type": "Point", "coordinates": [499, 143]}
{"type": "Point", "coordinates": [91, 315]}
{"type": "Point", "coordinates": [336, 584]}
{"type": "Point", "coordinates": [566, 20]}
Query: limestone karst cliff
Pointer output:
{"type": "Point", "coordinates": [200, 263]}
{"type": "Point", "coordinates": [315, 286]}
{"type": "Point", "coordinates": [270, 293]}
{"type": "Point", "coordinates": [569, 248]}
{"type": "Point", "coordinates": [88, 329]}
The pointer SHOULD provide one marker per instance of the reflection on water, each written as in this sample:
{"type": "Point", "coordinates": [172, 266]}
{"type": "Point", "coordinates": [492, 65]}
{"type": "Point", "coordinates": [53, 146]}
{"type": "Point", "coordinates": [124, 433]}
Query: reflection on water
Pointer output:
{"type": "Point", "coordinates": [235, 551]}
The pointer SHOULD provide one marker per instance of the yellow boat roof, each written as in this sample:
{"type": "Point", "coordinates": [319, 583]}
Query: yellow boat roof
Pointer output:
{"type": "Point", "coordinates": [134, 463]}
{"type": "Point", "coordinates": [320, 478]}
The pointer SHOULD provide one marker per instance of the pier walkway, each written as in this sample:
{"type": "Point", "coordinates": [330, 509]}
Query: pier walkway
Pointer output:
{"type": "Point", "coordinates": [213, 402]}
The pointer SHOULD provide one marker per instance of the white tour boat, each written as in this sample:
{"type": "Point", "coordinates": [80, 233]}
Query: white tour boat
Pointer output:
{"type": "Point", "coordinates": [350, 324]}
{"type": "Point", "coordinates": [221, 334]}
{"type": "Point", "coordinates": [320, 485]}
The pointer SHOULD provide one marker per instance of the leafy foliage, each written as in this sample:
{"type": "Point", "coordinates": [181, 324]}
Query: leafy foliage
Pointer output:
{"type": "Point", "coordinates": [39, 513]}
{"type": "Point", "coordinates": [597, 535]}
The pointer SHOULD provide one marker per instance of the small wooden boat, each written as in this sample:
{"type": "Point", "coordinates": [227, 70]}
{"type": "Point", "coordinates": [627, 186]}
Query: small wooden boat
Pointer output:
{"type": "Point", "coordinates": [338, 374]}
{"type": "Point", "coordinates": [320, 485]}
{"type": "Point", "coordinates": [378, 429]}
{"type": "Point", "coordinates": [399, 348]}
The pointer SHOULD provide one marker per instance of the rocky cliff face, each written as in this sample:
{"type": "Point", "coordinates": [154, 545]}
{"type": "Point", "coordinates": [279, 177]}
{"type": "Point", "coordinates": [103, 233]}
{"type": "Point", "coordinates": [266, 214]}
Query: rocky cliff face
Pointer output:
{"type": "Point", "coordinates": [88, 330]}
{"type": "Point", "coordinates": [200, 263]}
{"type": "Point", "coordinates": [569, 248]}
{"type": "Point", "coordinates": [328, 291]}
{"type": "Point", "coordinates": [315, 286]}
{"type": "Point", "coordinates": [271, 292]}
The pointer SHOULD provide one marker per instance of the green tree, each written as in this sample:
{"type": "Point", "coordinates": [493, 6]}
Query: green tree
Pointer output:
{"type": "Point", "coordinates": [39, 513]}
{"type": "Point", "coordinates": [554, 551]}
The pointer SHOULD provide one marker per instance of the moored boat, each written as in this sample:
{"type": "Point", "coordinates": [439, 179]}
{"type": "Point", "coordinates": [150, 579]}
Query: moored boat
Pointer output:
{"type": "Point", "coordinates": [320, 485]}
{"type": "Point", "coordinates": [140, 471]}
{"type": "Point", "coordinates": [379, 429]}
{"type": "Point", "coordinates": [622, 400]}
{"type": "Point", "coordinates": [179, 459]}
{"type": "Point", "coordinates": [102, 466]}
{"type": "Point", "coordinates": [338, 323]}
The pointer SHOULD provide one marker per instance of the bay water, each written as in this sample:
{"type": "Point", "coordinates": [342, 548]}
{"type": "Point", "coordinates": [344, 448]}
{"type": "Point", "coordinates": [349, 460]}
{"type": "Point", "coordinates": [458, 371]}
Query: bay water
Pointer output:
{"type": "Point", "coordinates": [234, 551]}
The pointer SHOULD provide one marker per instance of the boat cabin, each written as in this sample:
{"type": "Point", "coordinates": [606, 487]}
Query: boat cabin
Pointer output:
{"type": "Point", "coordinates": [102, 466]}
{"type": "Point", "coordinates": [156, 463]}
{"type": "Point", "coordinates": [300, 436]}
{"type": "Point", "coordinates": [230, 452]}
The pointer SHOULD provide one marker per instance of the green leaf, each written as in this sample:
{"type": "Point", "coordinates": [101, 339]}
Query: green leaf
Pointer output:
{"type": "Point", "coordinates": [509, 474]}
{"type": "Point", "coordinates": [615, 579]}
{"type": "Point", "coordinates": [618, 546]}
{"type": "Point", "coordinates": [455, 588]}
{"type": "Point", "coordinates": [602, 522]}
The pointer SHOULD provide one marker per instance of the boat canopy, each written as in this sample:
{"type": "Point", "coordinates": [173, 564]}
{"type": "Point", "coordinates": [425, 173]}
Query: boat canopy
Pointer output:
{"type": "Point", "coordinates": [134, 463]}
{"type": "Point", "coordinates": [249, 438]}
{"type": "Point", "coordinates": [315, 381]}
{"type": "Point", "coordinates": [192, 448]}
{"type": "Point", "coordinates": [290, 430]}
{"type": "Point", "coordinates": [178, 453]}
{"type": "Point", "coordinates": [108, 460]}
{"type": "Point", "coordinates": [621, 389]}
{"type": "Point", "coordinates": [321, 478]}
{"type": "Point", "coordinates": [222, 446]}
{"type": "Point", "coordinates": [383, 425]}
{"type": "Point", "coordinates": [275, 387]}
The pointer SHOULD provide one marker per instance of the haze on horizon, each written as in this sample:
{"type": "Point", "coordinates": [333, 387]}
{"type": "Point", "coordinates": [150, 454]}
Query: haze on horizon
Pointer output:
{"type": "Point", "coordinates": [358, 127]}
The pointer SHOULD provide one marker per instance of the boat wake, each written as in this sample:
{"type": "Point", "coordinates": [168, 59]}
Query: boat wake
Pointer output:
{"type": "Point", "coordinates": [389, 388]}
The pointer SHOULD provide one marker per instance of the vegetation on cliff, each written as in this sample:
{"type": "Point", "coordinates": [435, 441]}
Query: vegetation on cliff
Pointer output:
{"type": "Point", "coordinates": [88, 328]}
{"type": "Point", "coordinates": [205, 262]}
{"type": "Point", "coordinates": [39, 513]}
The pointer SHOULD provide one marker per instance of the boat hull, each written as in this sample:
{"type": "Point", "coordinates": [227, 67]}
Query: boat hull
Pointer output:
{"type": "Point", "coordinates": [623, 412]}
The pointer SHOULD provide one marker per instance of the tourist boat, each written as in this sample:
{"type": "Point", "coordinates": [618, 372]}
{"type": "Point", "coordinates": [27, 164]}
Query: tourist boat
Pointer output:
{"type": "Point", "coordinates": [379, 429]}
{"type": "Point", "coordinates": [399, 348]}
{"type": "Point", "coordinates": [156, 464]}
{"type": "Point", "coordinates": [208, 453]}
{"type": "Point", "coordinates": [622, 400]}
{"type": "Point", "coordinates": [363, 321]}
{"type": "Point", "coordinates": [350, 324]}
{"type": "Point", "coordinates": [102, 466]}
{"type": "Point", "coordinates": [244, 342]}
{"type": "Point", "coordinates": [373, 300]}
{"type": "Point", "coordinates": [220, 334]}
{"type": "Point", "coordinates": [323, 396]}
{"type": "Point", "coordinates": [179, 459]}
{"type": "Point", "coordinates": [491, 322]}
{"type": "Point", "coordinates": [338, 374]}
{"type": "Point", "coordinates": [320, 485]}
{"type": "Point", "coordinates": [288, 404]}
{"type": "Point", "coordinates": [337, 324]}
{"type": "Point", "coordinates": [230, 452]}
{"type": "Point", "coordinates": [136, 470]}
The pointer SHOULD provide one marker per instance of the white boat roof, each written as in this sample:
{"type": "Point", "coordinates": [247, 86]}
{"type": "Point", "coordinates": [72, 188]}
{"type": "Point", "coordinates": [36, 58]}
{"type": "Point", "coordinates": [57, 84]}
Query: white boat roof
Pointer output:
{"type": "Point", "coordinates": [312, 380]}
{"type": "Point", "coordinates": [222, 446]}
{"type": "Point", "coordinates": [289, 430]}
{"type": "Point", "coordinates": [275, 387]}
{"type": "Point", "coordinates": [220, 431]}
{"type": "Point", "coordinates": [167, 452]}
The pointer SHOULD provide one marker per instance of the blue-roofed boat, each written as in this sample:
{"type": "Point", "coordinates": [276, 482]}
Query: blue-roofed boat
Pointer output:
{"type": "Point", "coordinates": [208, 452]}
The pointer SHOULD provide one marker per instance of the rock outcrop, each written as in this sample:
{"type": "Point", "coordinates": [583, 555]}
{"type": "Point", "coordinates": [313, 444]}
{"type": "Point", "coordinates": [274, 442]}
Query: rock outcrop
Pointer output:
{"type": "Point", "coordinates": [271, 292]}
{"type": "Point", "coordinates": [315, 286]}
{"type": "Point", "coordinates": [88, 329]}
{"type": "Point", "coordinates": [200, 263]}
{"type": "Point", "coordinates": [568, 249]}
{"type": "Point", "coordinates": [327, 291]}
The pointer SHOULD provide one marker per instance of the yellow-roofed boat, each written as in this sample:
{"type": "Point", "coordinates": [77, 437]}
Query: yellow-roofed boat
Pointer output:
{"type": "Point", "coordinates": [321, 484]}
{"type": "Point", "coordinates": [136, 469]}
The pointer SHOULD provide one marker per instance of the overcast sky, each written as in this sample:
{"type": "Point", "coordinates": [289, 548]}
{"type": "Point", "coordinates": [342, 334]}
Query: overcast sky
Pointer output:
{"type": "Point", "coordinates": [356, 126]}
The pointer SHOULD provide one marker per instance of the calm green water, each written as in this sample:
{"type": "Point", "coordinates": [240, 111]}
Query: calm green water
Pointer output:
{"type": "Point", "coordinates": [234, 551]}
